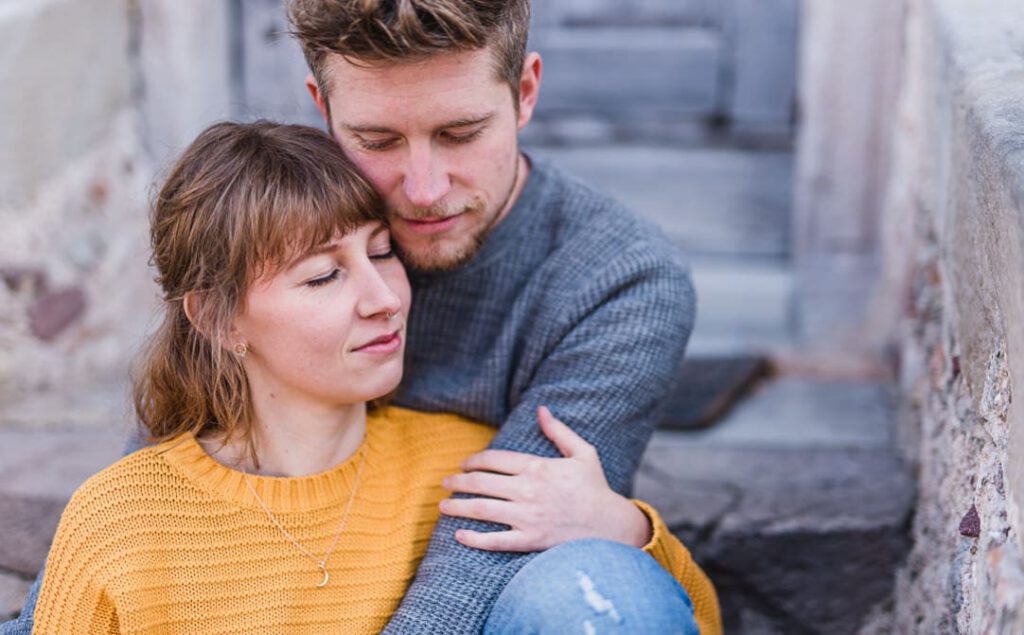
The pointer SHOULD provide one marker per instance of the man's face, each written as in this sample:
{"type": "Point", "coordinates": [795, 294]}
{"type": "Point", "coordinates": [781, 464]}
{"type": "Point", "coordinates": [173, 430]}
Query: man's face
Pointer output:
{"type": "Point", "coordinates": [437, 139]}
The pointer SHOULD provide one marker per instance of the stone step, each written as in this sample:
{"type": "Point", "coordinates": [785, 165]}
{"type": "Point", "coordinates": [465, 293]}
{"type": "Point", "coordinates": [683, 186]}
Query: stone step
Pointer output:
{"type": "Point", "coordinates": [742, 307]}
{"type": "Point", "coordinates": [579, 13]}
{"type": "Point", "coordinates": [666, 70]}
{"type": "Point", "coordinates": [40, 467]}
{"type": "Point", "coordinates": [795, 504]}
{"type": "Point", "coordinates": [717, 203]}
{"type": "Point", "coordinates": [729, 211]}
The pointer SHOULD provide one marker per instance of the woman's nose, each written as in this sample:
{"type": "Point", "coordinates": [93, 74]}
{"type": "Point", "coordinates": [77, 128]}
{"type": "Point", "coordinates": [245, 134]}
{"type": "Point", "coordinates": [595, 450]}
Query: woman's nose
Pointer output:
{"type": "Point", "coordinates": [378, 296]}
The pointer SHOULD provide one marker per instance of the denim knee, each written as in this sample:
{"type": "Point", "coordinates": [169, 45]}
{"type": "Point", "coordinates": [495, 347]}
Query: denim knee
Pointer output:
{"type": "Point", "coordinates": [590, 587]}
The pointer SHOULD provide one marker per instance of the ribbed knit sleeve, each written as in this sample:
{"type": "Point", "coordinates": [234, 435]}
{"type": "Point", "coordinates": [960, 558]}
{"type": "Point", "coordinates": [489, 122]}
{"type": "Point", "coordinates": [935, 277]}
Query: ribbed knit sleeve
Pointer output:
{"type": "Point", "coordinates": [675, 558]}
{"type": "Point", "coordinates": [73, 599]}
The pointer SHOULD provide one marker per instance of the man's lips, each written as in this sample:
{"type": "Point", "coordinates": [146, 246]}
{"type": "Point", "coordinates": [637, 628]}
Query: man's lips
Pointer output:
{"type": "Point", "coordinates": [433, 225]}
{"type": "Point", "coordinates": [383, 344]}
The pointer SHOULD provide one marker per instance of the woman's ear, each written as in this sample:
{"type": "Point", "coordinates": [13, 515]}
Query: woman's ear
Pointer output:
{"type": "Point", "coordinates": [191, 305]}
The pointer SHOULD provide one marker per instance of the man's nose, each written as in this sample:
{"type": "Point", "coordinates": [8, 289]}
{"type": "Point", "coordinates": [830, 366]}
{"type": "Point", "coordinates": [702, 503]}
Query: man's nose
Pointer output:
{"type": "Point", "coordinates": [426, 176]}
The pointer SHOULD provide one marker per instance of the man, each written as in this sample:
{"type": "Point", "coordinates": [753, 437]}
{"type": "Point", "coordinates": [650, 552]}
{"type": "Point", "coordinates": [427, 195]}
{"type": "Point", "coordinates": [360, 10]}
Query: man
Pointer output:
{"type": "Point", "coordinates": [529, 288]}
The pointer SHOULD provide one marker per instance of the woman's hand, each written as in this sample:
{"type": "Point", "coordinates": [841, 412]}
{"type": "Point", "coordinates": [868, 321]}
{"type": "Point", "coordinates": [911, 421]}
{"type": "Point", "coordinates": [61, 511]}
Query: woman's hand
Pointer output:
{"type": "Point", "coordinates": [545, 501]}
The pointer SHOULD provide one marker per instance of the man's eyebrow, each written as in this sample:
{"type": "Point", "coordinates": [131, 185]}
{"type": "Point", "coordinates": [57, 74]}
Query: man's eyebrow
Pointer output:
{"type": "Point", "coordinates": [467, 121]}
{"type": "Point", "coordinates": [368, 128]}
{"type": "Point", "coordinates": [454, 123]}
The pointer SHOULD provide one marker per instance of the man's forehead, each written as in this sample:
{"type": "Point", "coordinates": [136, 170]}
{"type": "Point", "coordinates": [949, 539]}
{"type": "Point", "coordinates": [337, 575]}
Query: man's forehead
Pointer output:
{"type": "Point", "coordinates": [419, 77]}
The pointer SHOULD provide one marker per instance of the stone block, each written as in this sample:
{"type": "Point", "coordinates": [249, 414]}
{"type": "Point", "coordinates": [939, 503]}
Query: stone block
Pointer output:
{"type": "Point", "coordinates": [795, 505]}
{"type": "Point", "coordinates": [274, 69]}
{"type": "Point", "coordinates": [726, 293]}
{"type": "Point", "coordinates": [185, 53]}
{"type": "Point", "coordinates": [49, 463]}
{"type": "Point", "coordinates": [795, 413]}
{"type": "Point", "coordinates": [28, 528]}
{"type": "Point", "coordinates": [706, 388]}
{"type": "Point", "coordinates": [635, 71]}
{"type": "Point", "coordinates": [807, 540]}
{"type": "Point", "coordinates": [13, 591]}
{"type": "Point", "coordinates": [763, 40]}
{"type": "Point", "coordinates": [54, 311]}
{"type": "Point", "coordinates": [624, 12]}
{"type": "Point", "coordinates": [65, 72]}
{"type": "Point", "coordinates": [712, 202]}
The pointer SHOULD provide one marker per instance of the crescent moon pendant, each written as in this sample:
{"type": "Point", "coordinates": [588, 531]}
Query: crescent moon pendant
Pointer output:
{"type": "Point", "coordinates": [327, 576]}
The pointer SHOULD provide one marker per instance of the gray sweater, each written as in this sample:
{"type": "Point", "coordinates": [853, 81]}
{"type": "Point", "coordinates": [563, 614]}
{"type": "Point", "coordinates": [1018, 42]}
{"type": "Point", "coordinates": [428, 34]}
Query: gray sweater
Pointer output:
{"type": "Point", "coordinates": [572, 302]}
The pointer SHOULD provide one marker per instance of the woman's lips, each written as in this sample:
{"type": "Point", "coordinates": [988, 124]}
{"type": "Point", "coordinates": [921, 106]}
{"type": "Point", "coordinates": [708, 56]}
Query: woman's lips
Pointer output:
{"type": "Point", "coordinates": [382, 345]}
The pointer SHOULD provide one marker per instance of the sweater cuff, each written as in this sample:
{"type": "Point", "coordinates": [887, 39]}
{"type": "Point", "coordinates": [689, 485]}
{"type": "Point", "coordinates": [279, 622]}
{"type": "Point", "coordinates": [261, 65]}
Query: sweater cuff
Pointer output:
{"type": "Point", "coordinates": [658, 546]}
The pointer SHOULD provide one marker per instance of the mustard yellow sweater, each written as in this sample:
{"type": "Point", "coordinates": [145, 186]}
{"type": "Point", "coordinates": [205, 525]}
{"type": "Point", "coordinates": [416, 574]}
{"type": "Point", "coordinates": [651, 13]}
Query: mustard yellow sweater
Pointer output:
{"type": "Point", "coordinates": [167, 540]}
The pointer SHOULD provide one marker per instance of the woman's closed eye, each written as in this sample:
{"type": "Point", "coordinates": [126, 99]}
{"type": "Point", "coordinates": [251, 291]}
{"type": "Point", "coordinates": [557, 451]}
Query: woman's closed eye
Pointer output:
{"type": "Point", "coordinates": [322, 280]}
{"type": "Point", "coordinates": [383, 254]}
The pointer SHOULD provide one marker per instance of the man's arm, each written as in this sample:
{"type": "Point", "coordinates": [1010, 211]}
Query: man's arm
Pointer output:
{"type": "Point", "coordinates": [605, 377]}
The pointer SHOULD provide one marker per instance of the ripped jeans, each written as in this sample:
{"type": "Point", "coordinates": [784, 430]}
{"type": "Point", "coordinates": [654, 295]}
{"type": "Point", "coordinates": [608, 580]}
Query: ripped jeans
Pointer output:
{"type": "Point", "coordinates": [592, 587]}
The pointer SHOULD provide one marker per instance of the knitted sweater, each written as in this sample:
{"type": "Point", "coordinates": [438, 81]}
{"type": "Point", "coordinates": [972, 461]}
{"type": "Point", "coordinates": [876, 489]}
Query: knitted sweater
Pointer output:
{"type": "Point", "coordinates": [572, 302]}
{"type": "Point", "coordinates": [169, 541]}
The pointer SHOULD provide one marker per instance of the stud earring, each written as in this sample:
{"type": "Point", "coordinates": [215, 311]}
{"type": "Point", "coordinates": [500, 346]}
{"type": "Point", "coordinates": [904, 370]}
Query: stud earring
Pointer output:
{"type": "Point", "coordinates": [240, 349]}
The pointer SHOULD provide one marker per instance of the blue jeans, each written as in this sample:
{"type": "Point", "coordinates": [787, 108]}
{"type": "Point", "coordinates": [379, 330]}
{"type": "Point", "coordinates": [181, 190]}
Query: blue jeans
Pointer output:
{"type": "Point", "coordinates": [592, 587]}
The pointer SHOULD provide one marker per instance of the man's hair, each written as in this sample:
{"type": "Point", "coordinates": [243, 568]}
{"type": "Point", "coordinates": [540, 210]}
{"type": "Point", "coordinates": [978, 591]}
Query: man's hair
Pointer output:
{"type": "Point", "coordinates": [394, 31]}
{"type": "Point", "coordinates": [242, 201]}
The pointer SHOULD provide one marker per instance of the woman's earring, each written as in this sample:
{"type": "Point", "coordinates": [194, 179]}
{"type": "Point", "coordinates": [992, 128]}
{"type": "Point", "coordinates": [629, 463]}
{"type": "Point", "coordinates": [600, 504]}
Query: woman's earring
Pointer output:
{"type": "Point", "coordinates": [240, 349]}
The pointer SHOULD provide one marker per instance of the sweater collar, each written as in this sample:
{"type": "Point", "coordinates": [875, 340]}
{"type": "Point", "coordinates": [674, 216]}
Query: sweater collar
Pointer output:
{"type": "Point", "coordinates": [279, 494]}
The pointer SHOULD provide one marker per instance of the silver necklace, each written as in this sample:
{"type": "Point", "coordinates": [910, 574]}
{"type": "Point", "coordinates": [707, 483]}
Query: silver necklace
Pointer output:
{"type": "Point", "coordinates": [321, 563]}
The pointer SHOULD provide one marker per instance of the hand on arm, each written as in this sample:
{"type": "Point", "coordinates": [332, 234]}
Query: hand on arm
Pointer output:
{"type": "Point", "coordinates": [608, 366]}
{"type": "Point", "coordinates": [544, 501]}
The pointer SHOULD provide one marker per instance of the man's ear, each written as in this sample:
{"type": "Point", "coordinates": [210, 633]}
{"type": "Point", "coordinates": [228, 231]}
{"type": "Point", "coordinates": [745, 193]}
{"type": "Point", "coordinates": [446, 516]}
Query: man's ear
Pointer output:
{"type": "Point", "coordinates": [318, 98]}
{"type": "Point", "coordinates": [529, 87]}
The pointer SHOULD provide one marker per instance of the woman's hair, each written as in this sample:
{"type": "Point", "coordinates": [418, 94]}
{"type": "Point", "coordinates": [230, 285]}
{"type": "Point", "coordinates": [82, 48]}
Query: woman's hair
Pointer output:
{"type": "Point", "coordinates": [243, 200]}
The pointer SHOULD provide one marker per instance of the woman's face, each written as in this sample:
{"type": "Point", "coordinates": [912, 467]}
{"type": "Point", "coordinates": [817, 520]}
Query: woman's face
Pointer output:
{"type": "Point", "coordinates": [329, 328]}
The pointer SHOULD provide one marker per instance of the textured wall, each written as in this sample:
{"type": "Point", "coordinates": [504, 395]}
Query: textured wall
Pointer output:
{"type": "Point", "coordinates": [954, 236]}
{"type": "Point", "coordinates": [99, 95]}
{"type": "Point", "coordinates": [72, 201]}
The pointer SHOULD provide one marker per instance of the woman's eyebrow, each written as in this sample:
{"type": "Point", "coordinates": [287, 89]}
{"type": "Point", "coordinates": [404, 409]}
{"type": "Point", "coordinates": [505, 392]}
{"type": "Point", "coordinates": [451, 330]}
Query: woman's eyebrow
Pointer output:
{"type": "Point", "coordinates": [309, 253]}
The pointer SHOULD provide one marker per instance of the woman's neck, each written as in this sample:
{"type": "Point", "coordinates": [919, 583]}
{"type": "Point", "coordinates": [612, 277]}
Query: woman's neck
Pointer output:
{"type": "Point", "coordinates": [293, 438]}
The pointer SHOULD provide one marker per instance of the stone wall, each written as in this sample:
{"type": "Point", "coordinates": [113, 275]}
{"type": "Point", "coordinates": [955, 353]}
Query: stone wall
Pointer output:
{"type": "Point", "coordinates": [847, 94]}
{"type": "Point", "coordinates": [954, 262]}
{"type": "Point", "coordinates": [72, 185]}
{"type": "Point", "coordinates": [98, 96]}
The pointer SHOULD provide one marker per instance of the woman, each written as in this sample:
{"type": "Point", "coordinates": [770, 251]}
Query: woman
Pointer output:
{"type": "Point", "coordinates": [276, 498]}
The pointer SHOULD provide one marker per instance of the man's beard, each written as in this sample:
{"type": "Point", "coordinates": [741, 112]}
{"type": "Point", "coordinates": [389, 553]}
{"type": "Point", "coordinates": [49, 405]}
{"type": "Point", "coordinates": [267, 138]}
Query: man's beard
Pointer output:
{"type": "Point", "coordinates": [438, 256]}
{"type": "Point", "coordinates": [445, 253]}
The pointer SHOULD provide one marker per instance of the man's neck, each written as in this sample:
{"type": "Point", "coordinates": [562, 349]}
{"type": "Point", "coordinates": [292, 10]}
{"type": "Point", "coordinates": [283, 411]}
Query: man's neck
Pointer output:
{"type": "Point", "coordinates": [518, 183]}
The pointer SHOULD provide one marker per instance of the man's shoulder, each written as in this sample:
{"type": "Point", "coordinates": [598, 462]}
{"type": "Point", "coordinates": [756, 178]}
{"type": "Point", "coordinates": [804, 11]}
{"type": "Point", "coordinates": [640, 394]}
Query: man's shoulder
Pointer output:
{"type": "Point", "coordinates": [590, 222]}
{"type": "Point", "coordinates": [596, 236]}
